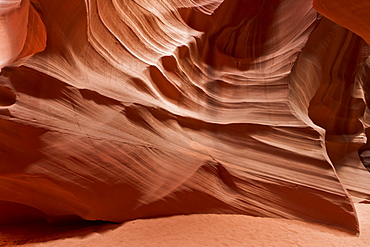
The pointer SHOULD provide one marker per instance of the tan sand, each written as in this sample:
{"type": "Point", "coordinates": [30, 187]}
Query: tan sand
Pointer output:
{"type": "Point", "coordinates": [191, 230]}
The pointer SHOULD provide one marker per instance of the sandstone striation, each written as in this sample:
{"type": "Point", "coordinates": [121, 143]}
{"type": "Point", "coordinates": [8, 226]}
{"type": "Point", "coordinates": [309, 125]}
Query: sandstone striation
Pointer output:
{"type": "Point", "coordinates": [134, 108]}
{"type": "Point", "coordinates": [22, 32]}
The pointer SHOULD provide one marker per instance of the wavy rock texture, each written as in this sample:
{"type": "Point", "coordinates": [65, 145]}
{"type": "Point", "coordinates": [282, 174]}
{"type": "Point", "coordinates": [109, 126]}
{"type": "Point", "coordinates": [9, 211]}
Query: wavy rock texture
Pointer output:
{"type": "Point", "coordinates": [142, 108]}
{"type": "Point", "coordinates": [22, 32]}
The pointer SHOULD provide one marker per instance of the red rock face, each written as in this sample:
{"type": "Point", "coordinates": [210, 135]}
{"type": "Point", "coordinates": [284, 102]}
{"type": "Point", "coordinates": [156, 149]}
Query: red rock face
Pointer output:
{"type": "Point", "coordinates": [150, 108]}
{"type": "Point", "coordinates": [22, 32]}
{"type": "Point", "coordinates": [349, 14]}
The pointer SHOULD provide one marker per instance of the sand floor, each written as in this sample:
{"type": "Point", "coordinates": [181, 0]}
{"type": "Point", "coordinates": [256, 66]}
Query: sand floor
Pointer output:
{"type": "Point", "coordinates": [190, 230]}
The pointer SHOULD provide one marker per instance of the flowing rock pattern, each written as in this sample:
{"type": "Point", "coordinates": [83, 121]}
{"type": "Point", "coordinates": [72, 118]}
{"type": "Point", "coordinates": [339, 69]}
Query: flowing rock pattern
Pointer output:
{"type": "Point", "coordinates": [140, 108]}
{"type": "Point", "coordinates": [22, 32]}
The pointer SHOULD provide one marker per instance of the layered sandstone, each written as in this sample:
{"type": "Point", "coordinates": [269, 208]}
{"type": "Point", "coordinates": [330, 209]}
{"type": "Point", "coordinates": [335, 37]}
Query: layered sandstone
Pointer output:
{"type": "Point", "coordinates": [142, 108]}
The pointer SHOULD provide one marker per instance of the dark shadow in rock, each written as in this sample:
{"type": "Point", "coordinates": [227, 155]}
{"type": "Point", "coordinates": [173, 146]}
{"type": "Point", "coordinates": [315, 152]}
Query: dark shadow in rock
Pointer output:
{"type": "Point", "coordinates": [7, 96]}
{"type": "Point", "coordinates": [35, 84]}
{"type": "Point", "coordinates": [28, 225]}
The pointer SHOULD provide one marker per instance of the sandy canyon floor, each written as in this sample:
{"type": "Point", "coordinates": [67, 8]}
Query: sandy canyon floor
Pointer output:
{"type": "Point", "coordinates": [190, 230]}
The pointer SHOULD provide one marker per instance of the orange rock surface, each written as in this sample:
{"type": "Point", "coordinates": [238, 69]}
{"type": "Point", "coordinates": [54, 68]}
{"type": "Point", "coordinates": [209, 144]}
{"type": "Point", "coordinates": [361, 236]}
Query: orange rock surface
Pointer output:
{"type": "Point", "coordinates": [352, 15]}
{"type": "Point", "coordinates": [119, 110]}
